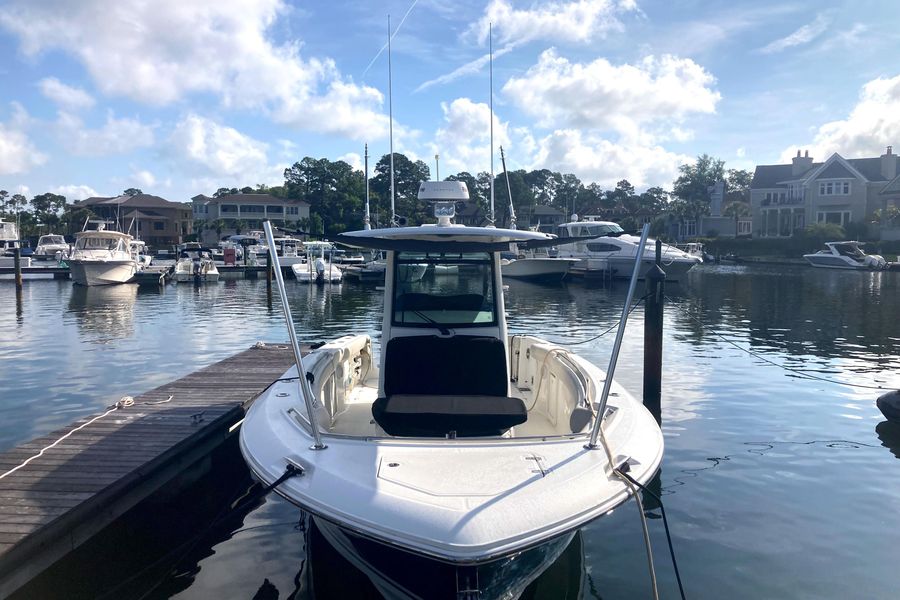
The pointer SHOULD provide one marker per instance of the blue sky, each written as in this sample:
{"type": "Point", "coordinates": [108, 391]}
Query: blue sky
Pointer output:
{"type": "Point", "coordinates": [180, 97]}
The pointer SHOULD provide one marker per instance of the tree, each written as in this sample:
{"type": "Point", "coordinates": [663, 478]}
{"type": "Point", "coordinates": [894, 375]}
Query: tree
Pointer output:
{"type": "Point", "coordinates": [224, 192]}
{"type": "Point", "coordinates": [132, 192]}
{"type": "Point", "coordinates": [247, 190]}
{"type": "Point", "coordinates": [14, 205]}
{"type": "Point", "coordinates": [47, 208]}
{"type": "Point", "coordinates": [691, 189]}
{"type": "Point", "coordinates": [736, 209]}
{"type": "Point", "coordinates": [407, 177]}
{"type": "Point", "coordinates": [239, 226]}
{"type": "Point", "coordinates": [219, 225]}
{"type": "Point", "coordinates": [737, 185]}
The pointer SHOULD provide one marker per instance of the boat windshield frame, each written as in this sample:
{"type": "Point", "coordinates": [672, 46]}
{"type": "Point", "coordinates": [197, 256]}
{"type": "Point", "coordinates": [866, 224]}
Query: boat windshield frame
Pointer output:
{"type": "Point", "coordinates": [416, 303]}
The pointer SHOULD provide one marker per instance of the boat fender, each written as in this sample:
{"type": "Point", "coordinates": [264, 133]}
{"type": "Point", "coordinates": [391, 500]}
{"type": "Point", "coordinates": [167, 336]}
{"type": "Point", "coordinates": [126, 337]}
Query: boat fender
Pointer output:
{"type": "Point", "coordinates": [889, 405]}
{"type": "Point", "coordinates": [310, 378]}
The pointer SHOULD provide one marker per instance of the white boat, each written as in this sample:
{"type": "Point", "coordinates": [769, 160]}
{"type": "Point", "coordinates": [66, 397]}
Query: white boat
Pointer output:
{"type": "Point", "coordinates": [102, 257]}
{"type": "Point", "coordinates": [846, 255]}
{"type": "Point", "coordinates": [51, 247]}
{"type": "Point", "coordinates": [139, 251]}
{"type": "Point", "coordinates": [536, 265]}
{"type": "Point", "coordinates": [461, 443]}
{"type": "Point", "coordinates": [615, 250]}
{"type": "Point", "coordinates": [9, 241]}
{"type": "Point", "coordinates": [195, 263]}
{"type": "Point", "coordinates": [290, 251]}
{"type": "Point", "coordinates": [317, 267]}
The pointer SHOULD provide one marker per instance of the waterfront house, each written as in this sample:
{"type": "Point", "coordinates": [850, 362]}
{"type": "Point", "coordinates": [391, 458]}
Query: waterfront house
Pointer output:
{"type": "Point", "coordinates": [786, 198]}
{"type": "Point", "coordinates": [156, 221]}
{"type": "Point", "coordinates": [248, 211]}
{"type": "Point", "coordinates": [541, 218]}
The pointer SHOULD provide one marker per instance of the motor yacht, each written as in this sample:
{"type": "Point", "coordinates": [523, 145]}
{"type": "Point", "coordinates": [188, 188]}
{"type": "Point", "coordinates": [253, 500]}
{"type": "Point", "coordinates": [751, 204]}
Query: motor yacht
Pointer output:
{"type": "Point", "coordinates": [9, 241]}
{"type": "Point", "coordinates": [102, 257]}
{"type": "Point", "coordinates": [536, 265]}
{"type": "Point", "coordinates": [195, 263]}
{"type": "Point", "coordinates": [460, 443]}
{"type": "Point", "coordinates": [51, 247]}
{"type": "Point", "coordinates": [615, 251]}
{"type": "Point", "coordinates": [317, 266]}
{"type": "Point", "coordinates": [846, 255]}
{"type": "Point", "coordinates": [290, 251]}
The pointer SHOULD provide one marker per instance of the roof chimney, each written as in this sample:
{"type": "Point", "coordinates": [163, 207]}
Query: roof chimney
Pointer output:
{"type": "Point", "coordinates": [801, 164]}
{"type": "Point", "coordinates": [806, 153]}
{"type": "Point", "coordinates": [889, 164]}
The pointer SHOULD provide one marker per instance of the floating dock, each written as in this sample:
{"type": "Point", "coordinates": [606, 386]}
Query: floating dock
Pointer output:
{"type": "Point", "coordinates": [61, 499]}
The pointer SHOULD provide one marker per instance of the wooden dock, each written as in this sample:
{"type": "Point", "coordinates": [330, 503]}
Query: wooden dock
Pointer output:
{"type": "Point", "coordinates": [78, 487]}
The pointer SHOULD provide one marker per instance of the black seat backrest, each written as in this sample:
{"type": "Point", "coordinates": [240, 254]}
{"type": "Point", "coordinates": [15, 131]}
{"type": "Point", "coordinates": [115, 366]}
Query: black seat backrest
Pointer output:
{"type": "Point", "coordinates": [462, 365]}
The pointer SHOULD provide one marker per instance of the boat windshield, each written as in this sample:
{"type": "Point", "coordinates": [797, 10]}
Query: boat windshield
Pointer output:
{"type": "Point", "coordinates": [457, 292]}
{"type": "Point", "coordinates": [51, 239]}
{"type": "Point", "coordinates": [588, 229]}
{"type": "Point", "coordinates": [97, 243]}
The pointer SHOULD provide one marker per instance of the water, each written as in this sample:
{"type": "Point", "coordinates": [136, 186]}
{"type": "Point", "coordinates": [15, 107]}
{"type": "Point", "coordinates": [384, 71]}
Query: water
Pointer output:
{"type": "Point", "coordinates": [776, 486]}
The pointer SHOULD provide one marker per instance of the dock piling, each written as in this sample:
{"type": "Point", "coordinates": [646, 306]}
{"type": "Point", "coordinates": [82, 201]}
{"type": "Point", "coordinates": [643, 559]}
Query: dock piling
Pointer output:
{"type": "Point", "coordinates": [653, 336]}
{"type": "Point", "coordinates": [17, 264]}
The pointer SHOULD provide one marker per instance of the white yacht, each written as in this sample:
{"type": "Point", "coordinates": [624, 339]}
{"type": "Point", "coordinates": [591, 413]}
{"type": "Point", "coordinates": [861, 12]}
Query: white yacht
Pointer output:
{"type": "Point", "coordinates": [102, 257]}
{"type": "Point", "coordinates": [616, 251]}
{"type": "Point", "coordinates": [846, 255]}
{"type": "Point", "coordinates": [195, 263]}
{"type": "Point", "coordinates": [317, 267]}
{"type": "Point", "coordinates": [536, 265]}
{"type": "Point", "coordinates": [460, 444]}
{"type": "Point", "coordinates": [9, 241]}
{"type": "Point", "coordinates": [51, 247]}
{"type": "Point", "coordinates": [290, 251]}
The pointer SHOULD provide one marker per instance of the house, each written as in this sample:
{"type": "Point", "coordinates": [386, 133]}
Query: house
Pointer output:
{"type": "Point", "coordinates": [247, 212]}
{"type": "Point", "coordinates": [540, 218]}
{"type": "Point", "coordinates": [715, 224]}
{"type": "Point", "coordinates": [157, 221]}
{"type": "Point", "coordinates": [785, 198]}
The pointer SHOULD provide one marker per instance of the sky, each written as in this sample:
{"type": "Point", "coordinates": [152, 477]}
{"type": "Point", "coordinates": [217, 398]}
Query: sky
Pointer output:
{"type": "Point", "coordinates": [181, 97]}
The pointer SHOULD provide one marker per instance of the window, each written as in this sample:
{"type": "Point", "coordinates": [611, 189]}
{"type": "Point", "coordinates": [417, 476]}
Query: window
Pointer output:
{"type": "Point", "coordinates": [292, 210]}
{"type": "Point", "coordinates": [444, 302]}
{"type": "Point", "coordinates": [275, 210]}
{"type": "Point", "coordinates": [597, 247]}
{"type": "Point", "coordinates": [252, 209]}
{"type": "Point", "coordinates": [689, 228]}
{"type": "Point", "coordinates": [838, 217]}
{"type": "Point", "coordinates": [745, 227]}
{"type": "Point", "coordinates": [159, 226]}
{"type": "Point", "coordinates": [228, 208]}
{"type": "Point", "coordinates": [834, 188]}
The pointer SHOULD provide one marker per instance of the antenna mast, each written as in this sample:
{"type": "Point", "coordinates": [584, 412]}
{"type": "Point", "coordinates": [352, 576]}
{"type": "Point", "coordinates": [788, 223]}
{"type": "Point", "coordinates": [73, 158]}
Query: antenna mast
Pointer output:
{"type": "Point", "coordinates": [491, 116]}
{"type": "Point", "coordinates": [512, 210]}
{"type": "Point", "coordinates": [391, 124]}
{"type": "Point", "coordinates": [366, 221]}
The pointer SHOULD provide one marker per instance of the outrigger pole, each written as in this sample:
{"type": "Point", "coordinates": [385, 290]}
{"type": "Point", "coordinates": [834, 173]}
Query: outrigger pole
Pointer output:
{"type": "Point", "coordinates": [366, 220]}
{"type": "Point", "coordinates": [491, 116]}
{"type": "Point", "coordinates": [305, 390]}
{"type": "Point", "coordinates": [391, 122]}
{"type": "Point", "coordinates": [614, 358]}
{"type": "Point", "coordinates": [512, 210]}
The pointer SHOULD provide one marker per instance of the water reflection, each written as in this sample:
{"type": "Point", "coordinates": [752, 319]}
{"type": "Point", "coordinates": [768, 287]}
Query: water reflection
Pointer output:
{"type": "Point", "coordinates": [889, 434]}
{"type": "Point", "coordinates": [104, 313]}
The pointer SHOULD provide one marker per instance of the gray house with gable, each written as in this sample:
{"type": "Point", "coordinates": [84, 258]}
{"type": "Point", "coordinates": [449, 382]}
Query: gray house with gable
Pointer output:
{"type": "Point", "coordinates": [785, 199]}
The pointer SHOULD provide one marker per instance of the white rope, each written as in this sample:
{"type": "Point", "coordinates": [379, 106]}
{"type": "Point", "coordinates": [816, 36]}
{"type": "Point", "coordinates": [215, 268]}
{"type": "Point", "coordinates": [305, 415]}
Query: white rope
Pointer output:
{"type": "Point", "coordinates": [640, 504]}
{"type": "Point", "coordinates": [125, 401]}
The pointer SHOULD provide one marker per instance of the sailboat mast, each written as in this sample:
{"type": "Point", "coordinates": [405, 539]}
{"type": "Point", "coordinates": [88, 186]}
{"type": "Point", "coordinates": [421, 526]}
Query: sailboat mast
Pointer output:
{"type": "Point", "coordinates": [366, 221]}
{"type": "Point", "coordinates": [512, 210]}
{"type": "Point", "coordinates": [491, 116]}
{"type": "Point", "coordinates": [391, 123]}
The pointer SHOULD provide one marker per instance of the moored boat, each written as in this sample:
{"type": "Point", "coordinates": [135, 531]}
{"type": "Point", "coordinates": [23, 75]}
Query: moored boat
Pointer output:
{"type": "Point", "coordinates": [195, 263]}
{"type": "Point", "coordinates": [317, 266]}
{"type": "Point", "coordinates": [102, 257]}
{"type": "Point", "coordinates": [443, 446]}
{"type": "Point", "coordinates": [51, 247]}
{"type": "Point", "coordinates": [846, 255]}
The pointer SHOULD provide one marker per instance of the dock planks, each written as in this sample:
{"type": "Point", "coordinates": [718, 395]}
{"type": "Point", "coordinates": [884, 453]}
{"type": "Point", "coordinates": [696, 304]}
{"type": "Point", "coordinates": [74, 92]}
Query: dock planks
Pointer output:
{"type": "Point", "coordinates": [82, 484]}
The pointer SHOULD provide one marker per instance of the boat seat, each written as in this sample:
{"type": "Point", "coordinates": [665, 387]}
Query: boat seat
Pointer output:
{"type": "Point", "coordinates": [436, 385]}
{"type": "Point", "coordinates": [415, 415]}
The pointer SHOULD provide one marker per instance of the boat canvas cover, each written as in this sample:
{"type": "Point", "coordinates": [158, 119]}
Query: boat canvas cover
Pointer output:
{"type": "Point", "coordinates": [437, 238]}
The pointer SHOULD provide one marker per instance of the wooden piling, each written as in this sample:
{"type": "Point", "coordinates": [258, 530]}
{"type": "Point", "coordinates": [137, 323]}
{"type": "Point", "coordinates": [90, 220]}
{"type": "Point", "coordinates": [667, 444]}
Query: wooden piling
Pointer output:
{"type": "Point", "coordinates": [653, 336]}
{"type": "Point", "coordinates": [17, 265]}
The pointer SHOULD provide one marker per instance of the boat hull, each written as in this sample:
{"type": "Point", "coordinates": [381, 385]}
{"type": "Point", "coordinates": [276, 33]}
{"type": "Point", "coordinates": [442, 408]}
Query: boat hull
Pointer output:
{"type": "Point", "coordinates": [92, 272]}
{"type": "Point", "coordinates": [621, 268]}
{"type": "Point", "coordinates": [537, 269]}
{"type": "Point", "coordinates": [835, 262]}
{"type": "Point", "coordinates": [398, 574]}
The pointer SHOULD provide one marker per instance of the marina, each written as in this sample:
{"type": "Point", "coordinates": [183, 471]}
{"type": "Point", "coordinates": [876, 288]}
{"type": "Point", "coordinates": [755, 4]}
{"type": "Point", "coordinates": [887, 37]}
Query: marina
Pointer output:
{"type": "Point", "coordinates": [729, 418]}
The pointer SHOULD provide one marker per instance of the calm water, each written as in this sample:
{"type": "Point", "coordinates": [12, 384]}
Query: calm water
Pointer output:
{"type": "Point", "coordinates": [776, 486]}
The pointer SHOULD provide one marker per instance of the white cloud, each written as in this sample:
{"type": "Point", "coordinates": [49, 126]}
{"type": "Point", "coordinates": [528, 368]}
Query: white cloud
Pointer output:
{"type": "Point", "coordinates": [65, 96]}
{"type": "Point", "coordinates": [605, 162]}
{"type": "Point", "coordinates": [463, 141]}
{"type": "Point", "coordinates": [469, 68]}
{"type": "Point", "coordinates": [623, 98]}
{"type": "Point", "coordinates": [74, 192]}
{"type": "Point", "coordinates": [159, 52]}
{"type": "Point", "coordinates": [355, 160]}
{"type": "Point", "coordinates": [143, 177]}
{"type": "Point", "coordinates": [116, 136]}
{"type": "Point", "coordinates": [579, 21]}
{"type": "Point", "coordinates": [804, 35]}
{"type": "Point", "coordinates": [870, 127]}
{"type": "Point", "coordinates": [216, 155]}
{"type": "Point", "coordinates": [17, 153]}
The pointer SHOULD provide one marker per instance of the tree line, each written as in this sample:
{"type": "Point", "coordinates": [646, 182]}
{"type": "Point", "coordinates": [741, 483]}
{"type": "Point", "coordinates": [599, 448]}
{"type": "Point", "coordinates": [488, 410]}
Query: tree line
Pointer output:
{"type": "Point", "coordinates": [336, 194]}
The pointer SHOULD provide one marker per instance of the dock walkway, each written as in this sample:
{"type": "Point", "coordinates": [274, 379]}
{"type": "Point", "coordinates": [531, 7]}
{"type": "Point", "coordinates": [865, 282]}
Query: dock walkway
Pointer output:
{"type": "Point", "coordinates": [59, 500]}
